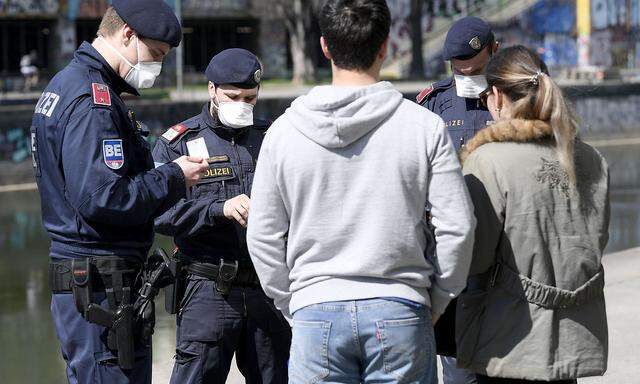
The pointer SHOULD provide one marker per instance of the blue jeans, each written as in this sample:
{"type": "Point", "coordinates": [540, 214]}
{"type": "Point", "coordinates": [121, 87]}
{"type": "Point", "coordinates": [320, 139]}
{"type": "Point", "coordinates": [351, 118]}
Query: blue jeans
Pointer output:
{"type": "Point", "coordinates": [373, 340]}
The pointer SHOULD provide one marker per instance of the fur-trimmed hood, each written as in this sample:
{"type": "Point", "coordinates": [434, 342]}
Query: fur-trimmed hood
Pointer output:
{"type": "Point", "coordinates": [512, 130]}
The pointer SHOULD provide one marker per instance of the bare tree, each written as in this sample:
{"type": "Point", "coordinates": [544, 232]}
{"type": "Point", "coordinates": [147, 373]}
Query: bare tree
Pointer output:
{"type": "Point", "coordinates": [297, 16]}
{"type": "Point", "coordinates": [417, 61]}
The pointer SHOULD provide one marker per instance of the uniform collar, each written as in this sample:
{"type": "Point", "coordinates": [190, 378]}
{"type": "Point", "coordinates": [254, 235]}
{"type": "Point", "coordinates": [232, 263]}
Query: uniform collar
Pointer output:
{"type": "Point", "coordinates": [221, 130]}
{"type": "Point", "coordinates": [88, 55]}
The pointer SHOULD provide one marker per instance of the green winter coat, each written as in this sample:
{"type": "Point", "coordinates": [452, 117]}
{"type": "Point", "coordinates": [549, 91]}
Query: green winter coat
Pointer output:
{"type": "Point", "coordinates": [534, 307]}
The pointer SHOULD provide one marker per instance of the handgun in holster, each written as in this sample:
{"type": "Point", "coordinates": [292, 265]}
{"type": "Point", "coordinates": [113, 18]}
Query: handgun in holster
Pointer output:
{"type": "Point", "coordinates": [173, 292]}
{"type": "Point", "coordinates": [121, 336]}
{"type": "Point", "coordinates": [119, 323]}
{"type": "Point", "coordinates": [159, 273]}
{"type": "Point", "coordinates": [226, 275]}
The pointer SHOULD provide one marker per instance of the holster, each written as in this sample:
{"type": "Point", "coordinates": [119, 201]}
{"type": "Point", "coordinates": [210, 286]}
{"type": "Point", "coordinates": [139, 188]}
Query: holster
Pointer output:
{"type": "Point", "coordinates": [174, 292]}
{"type": "Point", "coordinates": [121, 330]}
{"type": "Point", "coordinates": [160, 272]}
{"type": "Point", "coordinates": [226, 275]}
{"type": "Point", "coordinates": [116, 276]}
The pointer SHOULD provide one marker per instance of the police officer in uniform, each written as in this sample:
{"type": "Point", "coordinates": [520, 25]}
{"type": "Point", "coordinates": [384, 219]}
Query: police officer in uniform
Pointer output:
{"type": "Point", "coordinates": [222, 309]}
{"type": "Point", "coordinates": [469, 45]}
{"type": "Point", "coordinates": [100, 192]}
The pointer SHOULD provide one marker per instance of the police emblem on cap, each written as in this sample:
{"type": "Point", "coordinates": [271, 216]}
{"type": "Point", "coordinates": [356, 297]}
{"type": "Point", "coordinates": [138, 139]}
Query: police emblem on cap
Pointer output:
{"type": "Point", "coordinates": [475, 43]}
{"type": "Point", "coordinates": [257, 76]}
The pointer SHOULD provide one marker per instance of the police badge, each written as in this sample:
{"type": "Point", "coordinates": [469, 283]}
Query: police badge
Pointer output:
{"type": "Point", "coordinates": [113, 153]}
{"type": "Point", "coordinates": [475, 43]}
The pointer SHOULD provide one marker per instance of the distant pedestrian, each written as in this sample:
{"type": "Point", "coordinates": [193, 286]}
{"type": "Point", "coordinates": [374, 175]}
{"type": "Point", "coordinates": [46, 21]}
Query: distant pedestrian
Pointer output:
{"type": "Point", "coordinates": [534, 307]}
{"type": "Point", "coordinates": [29, 70]}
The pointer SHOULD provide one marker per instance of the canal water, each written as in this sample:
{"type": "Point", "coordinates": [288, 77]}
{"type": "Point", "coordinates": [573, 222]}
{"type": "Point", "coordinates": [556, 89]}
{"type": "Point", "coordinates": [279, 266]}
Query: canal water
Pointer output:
{"type": "Point", "coordinates": [28, 347]}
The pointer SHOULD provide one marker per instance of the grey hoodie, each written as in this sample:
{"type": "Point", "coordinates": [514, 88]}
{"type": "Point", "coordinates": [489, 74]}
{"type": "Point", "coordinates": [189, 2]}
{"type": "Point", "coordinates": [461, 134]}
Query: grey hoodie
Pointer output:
{"type": "Point", "coordinates": [338, 202]}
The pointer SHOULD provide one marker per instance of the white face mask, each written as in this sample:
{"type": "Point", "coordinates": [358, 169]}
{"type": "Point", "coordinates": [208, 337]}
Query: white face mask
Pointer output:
{"type": "Point", "coordinates": [470, 87]}
{"type": "Point", "coordinates": [143, 74]}
{"type": "Point", "coordinates": [235, 114]}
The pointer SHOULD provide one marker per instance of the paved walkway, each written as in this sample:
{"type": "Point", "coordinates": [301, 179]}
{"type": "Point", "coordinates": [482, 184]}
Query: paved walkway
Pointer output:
{"type": "Point", "coordinates": [623, 308]}
{"type": "Point", "coordinates": [622, 293]}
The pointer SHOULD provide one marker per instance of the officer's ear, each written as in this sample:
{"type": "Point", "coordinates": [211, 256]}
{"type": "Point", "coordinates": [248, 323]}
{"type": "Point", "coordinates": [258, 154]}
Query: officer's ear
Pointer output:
{"type": "Point", "coordinates": [127, 34]}
{"type": "Point", "coordinates": [212, 90]}
{"type": "Point", "coordinates": [325, 48]}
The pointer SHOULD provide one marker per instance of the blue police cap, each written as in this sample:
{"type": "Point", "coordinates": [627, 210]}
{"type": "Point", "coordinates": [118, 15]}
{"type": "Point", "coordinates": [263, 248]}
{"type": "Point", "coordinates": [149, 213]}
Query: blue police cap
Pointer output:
{"type": "Point", "coordinates": [466, 38]}
{"type": "Point", "coordinates": [152, 19]}
{"type": "Point", "coordinates": [235, 66]}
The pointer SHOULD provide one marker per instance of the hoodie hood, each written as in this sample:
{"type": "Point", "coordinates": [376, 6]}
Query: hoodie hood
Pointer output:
{"type": "Point", "coordinates": [335, 117]}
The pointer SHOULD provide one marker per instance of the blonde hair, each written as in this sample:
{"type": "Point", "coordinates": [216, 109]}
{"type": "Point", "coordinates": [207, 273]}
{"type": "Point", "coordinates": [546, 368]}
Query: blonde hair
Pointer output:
{"type": "Point", "coordinates": [522, 76]}
{"type": "Point", "coordinates": [111, 23]}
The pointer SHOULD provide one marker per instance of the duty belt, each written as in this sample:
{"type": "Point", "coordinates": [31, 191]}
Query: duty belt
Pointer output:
{"type": "Point", "coordinates": [115, 276]}
{"type": "Point", "coordinates": [104, 270]}
{"type": "Point", "coordinates": [225, 273]}
{"type": "Point", "coordinates": [130, 288]}
{"type": "Point", "coordinates": [230, 272]}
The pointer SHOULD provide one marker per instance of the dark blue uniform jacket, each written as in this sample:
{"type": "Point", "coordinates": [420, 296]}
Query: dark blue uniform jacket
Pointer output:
{"type": "Point", "coordinates": [99, 190]}
{"type": "Point", "coordinates": [462, 117]}
{"type": "Point", "coordinates": [197, 223]}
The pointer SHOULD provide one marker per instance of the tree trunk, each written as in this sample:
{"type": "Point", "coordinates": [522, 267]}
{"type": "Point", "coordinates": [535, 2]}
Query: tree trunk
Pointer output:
{"type": "Point", "coordinates": [299, 25]}
{"type": "Point", "coordinates": [297, 56]}
{"type": "Point", "coordinates": [417, 61]}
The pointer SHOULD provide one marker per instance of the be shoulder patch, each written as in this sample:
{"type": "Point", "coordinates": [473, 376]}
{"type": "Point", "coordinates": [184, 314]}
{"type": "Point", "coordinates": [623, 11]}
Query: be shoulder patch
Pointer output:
{"type": "Point", "coordinates": [101, 95]}
{"type": "Point", "coordinates": [174, 132]}
{"type": "Point", "coordinates": [113, 153]}
{"type": "Point", "coordinates": [424, 94]}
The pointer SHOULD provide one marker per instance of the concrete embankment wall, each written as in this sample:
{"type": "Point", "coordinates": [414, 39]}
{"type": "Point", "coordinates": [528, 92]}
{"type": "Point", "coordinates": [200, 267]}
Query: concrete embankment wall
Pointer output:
{"type": "Point", "coordinates": [607, 111]}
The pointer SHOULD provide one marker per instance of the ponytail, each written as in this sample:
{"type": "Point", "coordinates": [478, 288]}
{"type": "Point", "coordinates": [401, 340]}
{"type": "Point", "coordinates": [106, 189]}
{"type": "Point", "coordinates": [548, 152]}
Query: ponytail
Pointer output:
{"type": "Point", "coordinates": [551, 106]}
{"type": "Point", "coordinates": [524, 78]}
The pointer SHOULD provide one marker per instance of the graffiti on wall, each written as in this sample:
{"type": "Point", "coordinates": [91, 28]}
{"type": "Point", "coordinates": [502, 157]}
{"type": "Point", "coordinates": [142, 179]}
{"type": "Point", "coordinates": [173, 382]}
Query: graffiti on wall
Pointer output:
{"type": "Point", "coordinates": [89, 9]}
{"type": "Point", "coordinates": [399, 54]}
{"type": "Point", "coordinates": [614, 13]}
{"type": "Point", "coordinates": [552, 17]}
{"type": "Point", "coordinates": [560, 50]}
{"type": "Point", "coordinates": [549, 27]}
{"type": "Point", "coordinates": [199, 8]}
{"type": "Point", "coordinates": [273, 48]}
{"type": "Point", "coordinates": [600, 52]}
{"type": "Point", "coordinates": [29, 7]}
{"type": "Point", "coordinates": [66, 31]}
{"type": "Point", "coordinates": [15, 144]}
{"type": "Point", "coordinates": [609, 116]}
{"type": "Point", "coordinates": [435, 15]}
